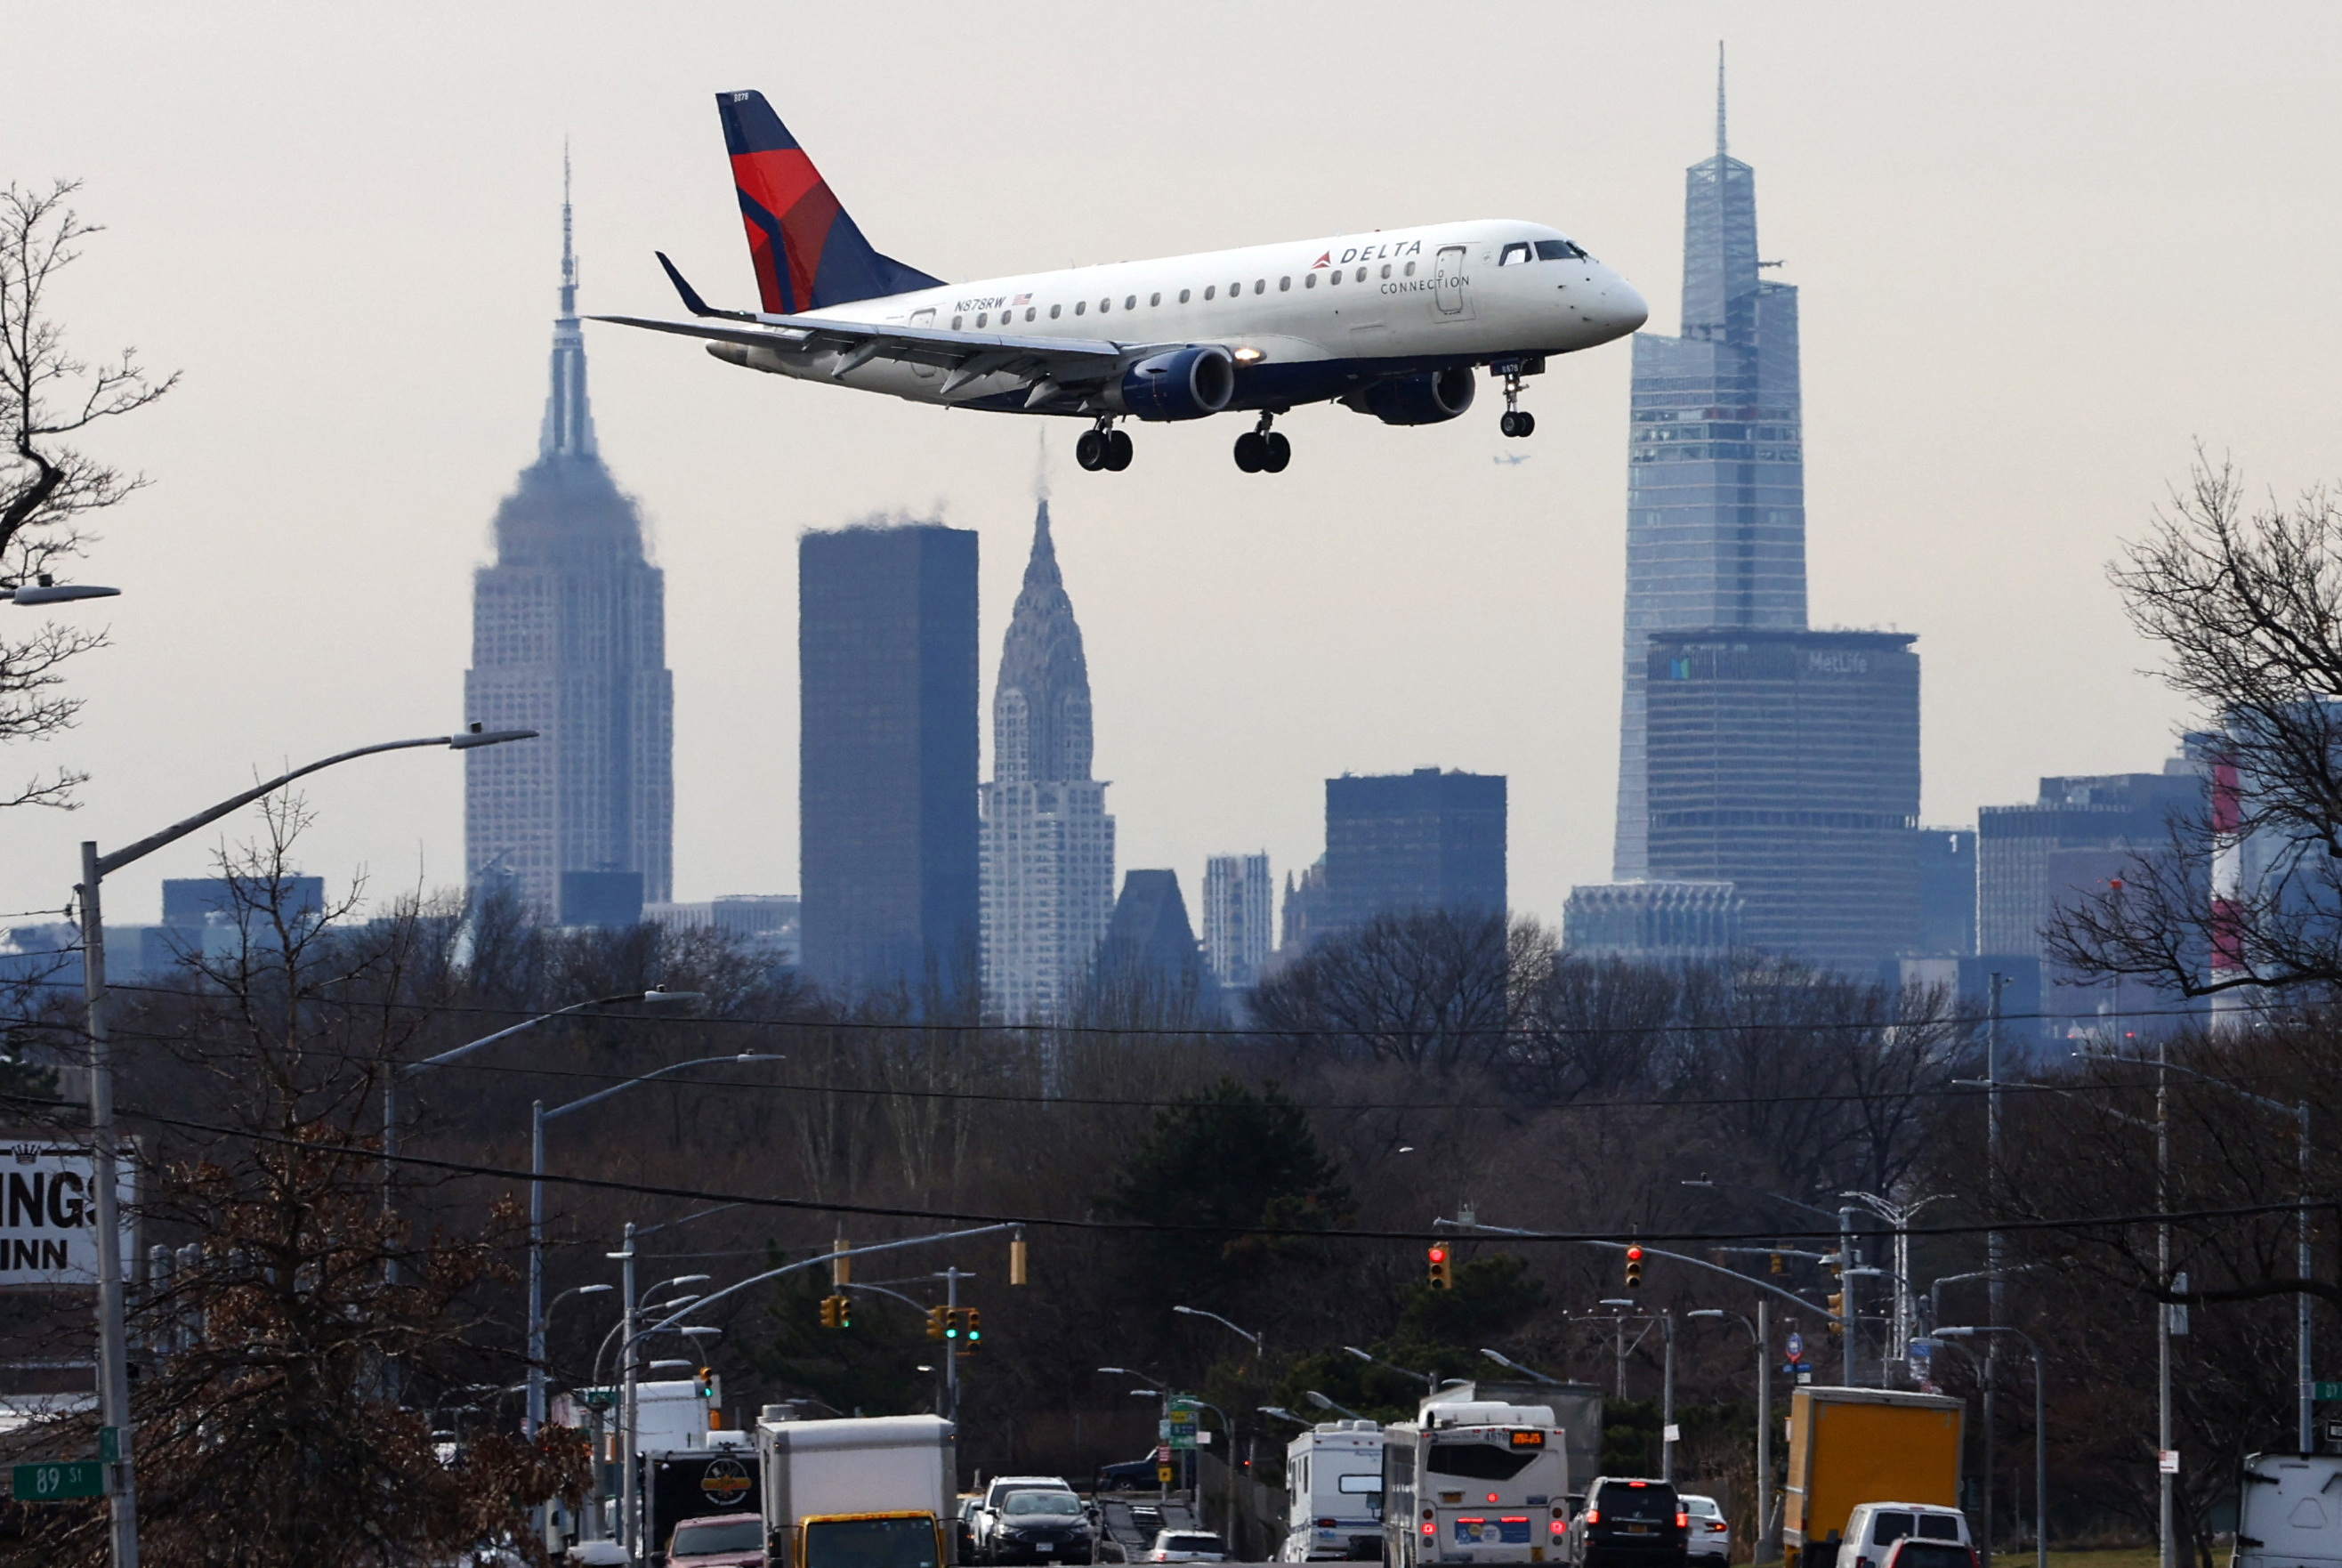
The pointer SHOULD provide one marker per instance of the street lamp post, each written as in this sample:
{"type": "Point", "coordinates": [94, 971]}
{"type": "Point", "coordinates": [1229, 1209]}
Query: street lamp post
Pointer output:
{"type": "Point", "coordinates": [113, 1354]}
{"type": "Point", "coordinates": [1761, 1333]}
{"type": "Point", "coordinates": [538, 1117]}
{"type": "Point", "coordinates": [1258, 1341]}
{"type": "Point", "coordinates": [1430, 1380]}
{"type": "Point", "coordinates": [2040, 1434]}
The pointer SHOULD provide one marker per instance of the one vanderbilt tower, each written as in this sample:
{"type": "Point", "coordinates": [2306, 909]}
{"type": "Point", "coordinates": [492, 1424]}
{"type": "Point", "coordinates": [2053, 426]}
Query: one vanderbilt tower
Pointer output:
{"type": "Point", "coordinates": [569, 639]}
{"type": "Point", "coordinates": [1716, 489]}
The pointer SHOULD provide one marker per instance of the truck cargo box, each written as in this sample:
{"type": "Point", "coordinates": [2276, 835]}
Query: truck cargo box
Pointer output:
{"type": "Point", "coordinates": [1855, 1445]}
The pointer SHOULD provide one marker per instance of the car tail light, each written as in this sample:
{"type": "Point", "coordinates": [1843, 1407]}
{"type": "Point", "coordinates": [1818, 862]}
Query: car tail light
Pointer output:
{"type": "Point", "coordinates": [1715, 1524]}
{"type": "Point", "coordinates": [1492, 1497]}
{"type": "Point", "coordinates": [1594, 1516]}
{"type": "Point", "coordinates": [1682, 1520]}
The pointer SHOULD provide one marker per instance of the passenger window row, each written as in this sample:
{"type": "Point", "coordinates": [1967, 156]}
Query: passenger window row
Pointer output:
{"type": "Point", "coordinates": [1546, 250]}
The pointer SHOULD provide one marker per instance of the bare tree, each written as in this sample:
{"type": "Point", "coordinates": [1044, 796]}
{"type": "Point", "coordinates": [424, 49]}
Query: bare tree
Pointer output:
{"type": "Point", "coordinates": [49, 487]}
{"type": "Point", "coordinates": [2246, 604]}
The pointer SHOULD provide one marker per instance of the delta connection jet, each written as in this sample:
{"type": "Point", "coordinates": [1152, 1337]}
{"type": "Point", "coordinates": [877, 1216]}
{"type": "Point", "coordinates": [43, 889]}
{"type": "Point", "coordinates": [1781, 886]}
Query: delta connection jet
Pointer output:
{"type": "Point", "coordinates": [1393, 323]}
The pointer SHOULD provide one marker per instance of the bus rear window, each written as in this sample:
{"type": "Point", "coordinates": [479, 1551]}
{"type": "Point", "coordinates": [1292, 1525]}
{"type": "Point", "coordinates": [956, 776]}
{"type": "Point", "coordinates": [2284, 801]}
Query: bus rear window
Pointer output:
{"type": "Point", "coordinates": [1478, 1461]}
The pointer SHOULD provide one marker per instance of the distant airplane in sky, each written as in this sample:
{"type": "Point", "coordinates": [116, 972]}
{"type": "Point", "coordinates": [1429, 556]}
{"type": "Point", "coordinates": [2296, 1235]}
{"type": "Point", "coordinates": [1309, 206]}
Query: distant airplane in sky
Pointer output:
{"type": "Point", "coordinates": [1512, 459]}
{"type": "Point", "coordinates": [1393, 323]}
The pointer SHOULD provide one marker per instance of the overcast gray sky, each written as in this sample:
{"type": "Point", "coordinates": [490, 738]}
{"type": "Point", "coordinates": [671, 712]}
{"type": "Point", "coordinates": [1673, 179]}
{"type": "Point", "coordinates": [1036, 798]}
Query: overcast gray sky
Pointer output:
{"type": "Point", "coordinates": [2043, 249]}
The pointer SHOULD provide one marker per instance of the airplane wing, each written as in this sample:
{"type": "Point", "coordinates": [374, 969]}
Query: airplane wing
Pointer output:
{"type": "Point", "coordinates": [1050, 362]}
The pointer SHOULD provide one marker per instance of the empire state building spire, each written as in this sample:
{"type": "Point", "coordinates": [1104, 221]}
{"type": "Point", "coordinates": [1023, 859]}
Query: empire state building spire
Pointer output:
{"type": "Point", "coordinates": [569, 417]}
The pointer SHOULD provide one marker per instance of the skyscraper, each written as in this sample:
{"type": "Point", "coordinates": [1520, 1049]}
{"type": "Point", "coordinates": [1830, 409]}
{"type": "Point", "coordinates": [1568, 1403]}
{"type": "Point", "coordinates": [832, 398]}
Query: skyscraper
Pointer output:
{"type": "Point", "coordinates": [1715, 509]}
{"type": "Point", "coordinates": [1048, 844]}
{"type": "Point", "coordinates": [1426, 840]}
{"type": "Point", "coordinates": [886, 663]}
{"type": "Point", "coordinates": [1239, 897]}
{"type": "Point", "coordinates": [1788, 765]}
{"type": "Point", "coordinates": [569, 639]}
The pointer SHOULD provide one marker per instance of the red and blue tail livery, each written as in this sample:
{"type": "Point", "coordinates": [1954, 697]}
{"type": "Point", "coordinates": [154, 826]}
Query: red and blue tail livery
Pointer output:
{"type": "Point", "coordinates": [1392, 323]}
{"type": "Point", "coordinates": [807, 251]}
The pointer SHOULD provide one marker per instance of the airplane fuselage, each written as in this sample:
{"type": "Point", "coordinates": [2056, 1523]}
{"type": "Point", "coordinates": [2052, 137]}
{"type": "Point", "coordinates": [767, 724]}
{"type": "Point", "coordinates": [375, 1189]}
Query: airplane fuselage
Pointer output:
{"type": "Point", "coordinates": [1305, 321]}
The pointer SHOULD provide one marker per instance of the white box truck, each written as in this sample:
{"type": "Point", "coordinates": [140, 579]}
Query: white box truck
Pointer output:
{"type": "Point", "coordinates": [2289, 1511]}
{"type": "Point", "coordinates": [1334, 1491]}
{"type": "Point", "coordinates": [864, 1491]}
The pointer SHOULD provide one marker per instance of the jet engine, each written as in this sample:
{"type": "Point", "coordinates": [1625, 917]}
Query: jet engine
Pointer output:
{"type": "Point", "coordinates": [1428, 397]}
{"type": "Point", "coordinates": [1186, 384]}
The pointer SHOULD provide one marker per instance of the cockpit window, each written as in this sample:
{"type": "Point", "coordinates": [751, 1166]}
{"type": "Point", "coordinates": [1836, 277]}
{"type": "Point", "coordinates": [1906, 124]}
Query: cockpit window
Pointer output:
{"type": "Point", "coordinates": [1559, 250]}
{"type": "Point", "coordinates": [1519, 251]}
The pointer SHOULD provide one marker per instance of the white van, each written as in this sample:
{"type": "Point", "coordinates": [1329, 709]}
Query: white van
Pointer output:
{"type": "Point", "coordinates": [2290, 1511]}
{"type": "Point", "coordinates": [1873, 1527]}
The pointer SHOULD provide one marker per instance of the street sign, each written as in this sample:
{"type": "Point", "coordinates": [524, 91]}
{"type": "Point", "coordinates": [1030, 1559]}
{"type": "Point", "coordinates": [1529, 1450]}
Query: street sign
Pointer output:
{"type": "Point", "coordinates": [2326, 1390]}
{"type": "Point", "coordinates": [109, 1446]}
{"type": "Point", "coordinates": [1162, 1475]}
{"type": "Point", "coordinates": [2166, 1460]}
{"type": "Point", "coordinates": [1796, 1347]}
{"type": "Point", "coordinates": [1163, 1454]}
{"type": "Point", "coordinates": [1179, 1427]}
{"type": "Point", "coordinates": [1805, 1374]}
{"type": "Point", "coordinates": [57, 1481]}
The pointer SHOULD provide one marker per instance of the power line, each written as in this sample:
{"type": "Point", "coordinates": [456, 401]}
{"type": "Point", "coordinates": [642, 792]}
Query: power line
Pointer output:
{"type": "Point", "coordinates": [880, 1211]}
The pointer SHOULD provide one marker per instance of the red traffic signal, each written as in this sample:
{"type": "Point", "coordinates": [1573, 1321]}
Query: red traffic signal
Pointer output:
{"type": "Point", "coordinates": [1438, 1278]}
{"type": "Point", "coordinates": [1634, 1268]}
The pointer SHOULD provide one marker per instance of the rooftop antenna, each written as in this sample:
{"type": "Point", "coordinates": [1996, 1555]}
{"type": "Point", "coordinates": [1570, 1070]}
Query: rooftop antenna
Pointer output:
{"type": "Point", "coordinates": [568, 253]}
{"type": "Point", "coordinates": [1719, 100]}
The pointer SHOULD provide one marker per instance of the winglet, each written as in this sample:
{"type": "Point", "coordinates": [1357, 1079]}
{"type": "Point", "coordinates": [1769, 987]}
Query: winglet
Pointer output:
{"type": "Point", "coordinates": [691, 300]}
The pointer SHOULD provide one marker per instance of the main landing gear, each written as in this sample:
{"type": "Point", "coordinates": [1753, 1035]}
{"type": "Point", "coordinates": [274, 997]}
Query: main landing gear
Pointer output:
{"type": "Point", "coordinates": [1518, 421]}
{"type": "Point", "coordinates": [1261, 450]}
{"type": "Point", "coordinates": [1103, 447]}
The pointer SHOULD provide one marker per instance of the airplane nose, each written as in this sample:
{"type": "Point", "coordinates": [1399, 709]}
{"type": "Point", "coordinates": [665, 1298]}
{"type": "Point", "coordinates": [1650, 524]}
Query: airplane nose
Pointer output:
{"type": "Point", "coordinates": [1623, 306]}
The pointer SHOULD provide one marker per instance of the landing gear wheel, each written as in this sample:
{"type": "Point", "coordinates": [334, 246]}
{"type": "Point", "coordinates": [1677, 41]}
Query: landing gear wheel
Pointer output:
{"type": "Point", "coordinates": [1516, 421]}
{"type": "Point", "coordinates": [1117, 451]}
{"type": "Point", "coordinates": [1277, 452]}
{"type": "Point", "coordinates": [1252, 452]}
{"type": "Point", "coordinates": [1510, 423]}
{"type": "Point", "coordinates": [1524, 423]}
{"type": "Point", "coordinates": [1090, 450]}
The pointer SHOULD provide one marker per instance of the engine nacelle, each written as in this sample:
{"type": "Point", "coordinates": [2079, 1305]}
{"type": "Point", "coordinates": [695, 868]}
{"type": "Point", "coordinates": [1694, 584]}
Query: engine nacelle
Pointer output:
{"type": "Point", "coordinates": [1428, 397]}
{"type": "Point", "coordinates": [1186, 384]}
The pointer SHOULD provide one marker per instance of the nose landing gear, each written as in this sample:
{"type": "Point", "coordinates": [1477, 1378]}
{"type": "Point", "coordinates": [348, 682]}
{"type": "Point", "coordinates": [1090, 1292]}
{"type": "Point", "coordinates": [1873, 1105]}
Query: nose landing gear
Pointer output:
{"type": "Point", "coordinates": [1518, 421]}
{"type": "Point", "coordinates": [1261, 450]}
{"type": "Point", "coordinates": [1103, 447]}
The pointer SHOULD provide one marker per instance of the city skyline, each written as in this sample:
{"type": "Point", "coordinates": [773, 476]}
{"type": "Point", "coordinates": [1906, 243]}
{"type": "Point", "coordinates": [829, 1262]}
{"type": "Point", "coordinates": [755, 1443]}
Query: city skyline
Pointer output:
{"type": "Point", "coordinates": [1236, 625]}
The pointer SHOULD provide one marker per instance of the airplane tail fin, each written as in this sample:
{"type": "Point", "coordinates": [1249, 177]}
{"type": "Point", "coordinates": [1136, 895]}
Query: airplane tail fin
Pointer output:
{"type": "Point", "coordinates": [807, 252]}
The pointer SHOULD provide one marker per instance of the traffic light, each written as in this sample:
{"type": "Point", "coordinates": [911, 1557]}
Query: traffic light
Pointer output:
{"type": "Point", "coordinates": [1439, 1279]}
{"type": "Point", "coordinates": [955, 1320]}
{"type": "Point", "coordinates": [1837, 1299]}
{"type": "Point", "coordinates": [1634, 1268]}
{"type": "Point", "coordinates": [973, 1335]}
{"type": "Point", "coordinates": [845, 1310]}
{"type": "Point", "coordinates": [936, 1322]}
{"type": "Point", "coordinates": [1777, 1267]}
{"type": "Point", "coordinates": [830, 1312]}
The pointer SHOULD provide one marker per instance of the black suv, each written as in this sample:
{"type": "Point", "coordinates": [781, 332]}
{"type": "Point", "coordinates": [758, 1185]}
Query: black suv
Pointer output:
{"type": "Point", "coordinates": [1629, 1524]}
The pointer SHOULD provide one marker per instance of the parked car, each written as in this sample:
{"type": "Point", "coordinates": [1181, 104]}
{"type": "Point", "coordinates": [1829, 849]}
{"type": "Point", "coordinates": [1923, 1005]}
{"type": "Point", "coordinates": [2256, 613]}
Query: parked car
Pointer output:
{"type": "Point", "coordinates": [1130, 1475]}
{"type": "Point", "coordinates": [1918, 1552]}
{"type": "Point", "coordinates": [1187, 1546]}
{"type": "Point", "coordinates": [1710, 1537]}
{"type": "Point", "coordinates": [1629, 1524]}
{"type": "Point", "coordinates": [1873, 1527]}
{"type": "Point", "coordinates": [1037, 1525]}
{"type": "Point", "coordinates": [718, 1541]}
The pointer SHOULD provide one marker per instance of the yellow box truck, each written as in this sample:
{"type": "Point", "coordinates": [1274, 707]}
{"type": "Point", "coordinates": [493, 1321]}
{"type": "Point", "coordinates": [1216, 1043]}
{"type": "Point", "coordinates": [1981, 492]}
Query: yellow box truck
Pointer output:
{"type": "Point", "coordinates": [1856, 1445]}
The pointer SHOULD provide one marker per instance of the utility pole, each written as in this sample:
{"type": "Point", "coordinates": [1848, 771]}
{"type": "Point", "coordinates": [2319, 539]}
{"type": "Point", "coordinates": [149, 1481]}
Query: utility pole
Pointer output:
{"type": "Point", "coordinates": [2165, 1460]}
{"type": "Point", "coordinates": [1991, 1254]}
{"type": "Point", "coordinates": [1764, 1424]}
{"type": "Point", "coordinates": [627, 1378]}
{"type": "Point", "coordinates": [112, 1361]}
{"type": "Point", "coordinates": [1851, 1325]}
{"type": "Point", "coordinates": [952, 1276]}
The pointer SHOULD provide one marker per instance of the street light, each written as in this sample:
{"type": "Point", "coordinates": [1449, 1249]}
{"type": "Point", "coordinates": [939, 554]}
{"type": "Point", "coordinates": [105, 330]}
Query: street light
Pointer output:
{"type": "Point", "coordinates": [538, 1117]}
{"type": "Point", "coordinates": [1322, 1403]}
{"type": "Point", "coordinates": [1430, 1381]}
{"type": "Point", "coordinates": [1281, 1414]}
{"type": "Point", "coordinates": [112, 1354]}
{"type": "Point", "coordinates": [1760, 1332]}
{"type": "Point", "coordinates": [46, 590]}
{"type": "Point", "coordinates": [2040, 1435]}
{"type": "Point", "coordinates": [1199, 1311]}
{"type": "Point", "coordinates": [1511, 1366]}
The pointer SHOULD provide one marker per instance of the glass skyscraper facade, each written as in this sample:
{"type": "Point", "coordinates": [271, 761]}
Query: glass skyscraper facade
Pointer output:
{"type": "Point", "coordinates": [886, 663]}
{"type": "Point", "coordinates": [569, 639]}
{"type": "Point", "coordinates": [1716, 510]}
{"type": "Point", "coordinates": [1400, 843]}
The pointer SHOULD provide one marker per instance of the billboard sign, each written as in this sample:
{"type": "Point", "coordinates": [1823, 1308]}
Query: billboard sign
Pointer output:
{"type": "Point", "coordinates": [48, 1214]}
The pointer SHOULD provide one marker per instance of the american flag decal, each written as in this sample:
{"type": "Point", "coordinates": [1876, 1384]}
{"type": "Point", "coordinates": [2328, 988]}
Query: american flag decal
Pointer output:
{"type": "Point", "coordinates": [1022, 299]}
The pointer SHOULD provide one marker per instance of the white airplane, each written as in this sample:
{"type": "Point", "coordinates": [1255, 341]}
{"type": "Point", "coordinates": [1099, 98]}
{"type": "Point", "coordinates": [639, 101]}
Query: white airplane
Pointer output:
{"type": "Point", "coordinates": [1392, 324]}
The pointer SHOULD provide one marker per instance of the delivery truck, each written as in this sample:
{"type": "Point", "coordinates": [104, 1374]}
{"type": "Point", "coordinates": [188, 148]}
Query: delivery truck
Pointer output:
{"type": "Point", "coordinates": [1849, 1446]}
{"type": "Point", "coordinates": [681, 1484]}
{"type": "Point", "coordinates": [2289, 1511]}
{"type": "Point", "coordinates": [862, 1492]}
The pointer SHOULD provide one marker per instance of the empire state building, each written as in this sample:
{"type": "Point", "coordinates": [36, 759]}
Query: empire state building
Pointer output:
{"type": "Point", "coordinates": [569, 639]}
